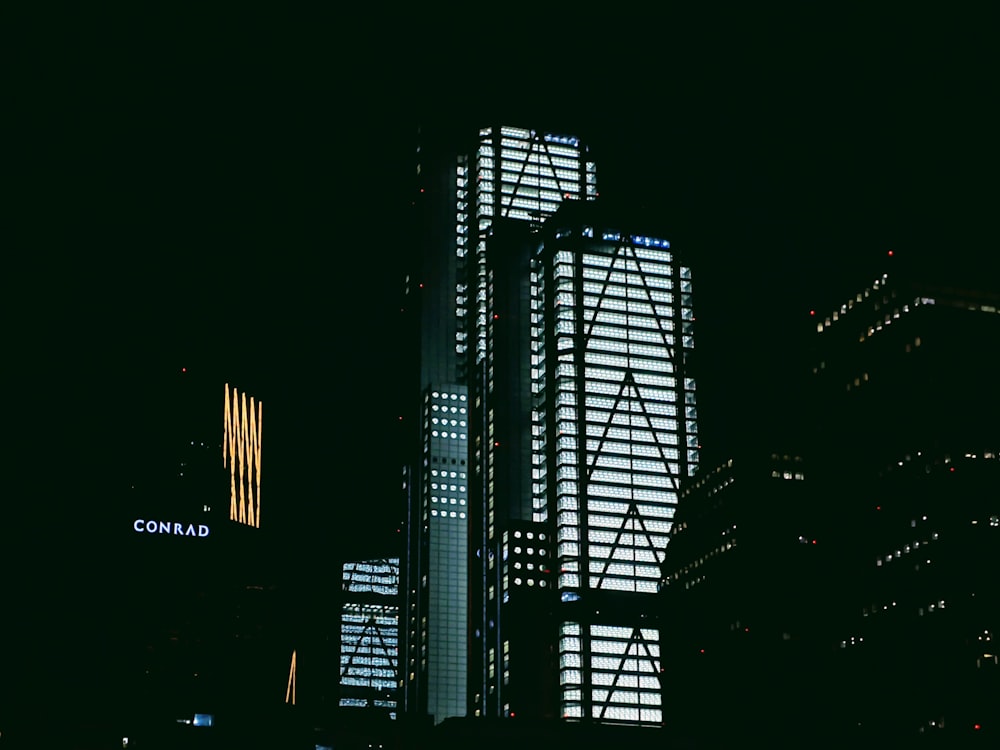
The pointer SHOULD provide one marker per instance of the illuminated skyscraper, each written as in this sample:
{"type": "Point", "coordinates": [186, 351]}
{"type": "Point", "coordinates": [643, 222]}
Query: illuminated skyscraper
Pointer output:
{"type": "Point", "coordinates": [463, 185]}
{"type": "Point", "coordinates": [614, 434]}
{"type": "Point", "coordinates": [369, 636]}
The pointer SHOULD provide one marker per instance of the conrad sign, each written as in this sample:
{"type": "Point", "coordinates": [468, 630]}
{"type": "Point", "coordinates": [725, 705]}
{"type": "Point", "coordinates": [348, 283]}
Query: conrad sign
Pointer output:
{"type": "Point", "coordinates": [169, 527]}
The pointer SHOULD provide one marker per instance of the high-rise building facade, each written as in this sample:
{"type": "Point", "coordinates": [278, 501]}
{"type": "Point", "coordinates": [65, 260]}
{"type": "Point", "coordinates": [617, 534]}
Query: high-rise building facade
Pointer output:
{"type": "Point", "coordinates": [747, 591]}
{"type": "Point", "coordinates": [907, 413]}
{"type": "Point", "coordinates": [369, 636]}
{"type": "Point", "coordinates": [614, 434]}
{"type": "Point", "coordinates": [464, 184]}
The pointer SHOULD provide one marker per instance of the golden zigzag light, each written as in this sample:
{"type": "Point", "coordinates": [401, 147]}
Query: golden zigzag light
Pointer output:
{"type": "Point", "coordinates": [290, 690]}
{"type": "Point", "coordinates": [241, 454]}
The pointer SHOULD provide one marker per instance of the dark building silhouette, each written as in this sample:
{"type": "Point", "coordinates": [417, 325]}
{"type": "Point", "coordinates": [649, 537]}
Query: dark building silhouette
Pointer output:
{"type": "Point", "coordinates": [178, 620]}
{"type": "Point", "coordinates": [748, 594]}
{"type": "Point", "coordinates": [907, 444]}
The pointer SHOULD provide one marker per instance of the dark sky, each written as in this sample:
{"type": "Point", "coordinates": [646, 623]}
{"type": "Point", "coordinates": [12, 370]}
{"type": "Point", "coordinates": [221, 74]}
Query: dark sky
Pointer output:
{"type": "Point", "coordinates": [228, 189]}
{"type": "Point", "coordinates": [225, 189]}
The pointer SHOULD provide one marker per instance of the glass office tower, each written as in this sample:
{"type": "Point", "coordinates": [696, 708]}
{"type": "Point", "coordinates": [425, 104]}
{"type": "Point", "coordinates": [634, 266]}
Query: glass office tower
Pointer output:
{"type": "Point", "coordinates": [614, 435]}
{"type": "Point", "coordinates": [369, 636]}
{"type": "Point", "coordinates": [464, 183]}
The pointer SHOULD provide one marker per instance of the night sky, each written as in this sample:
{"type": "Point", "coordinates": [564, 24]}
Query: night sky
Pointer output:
{"type": "Point", "coordinates": [228, 191]}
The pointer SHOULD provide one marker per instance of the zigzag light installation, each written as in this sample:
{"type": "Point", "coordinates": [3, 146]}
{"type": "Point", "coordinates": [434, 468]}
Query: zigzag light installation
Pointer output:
{"type": "Point", "coordinates": [241, 453]}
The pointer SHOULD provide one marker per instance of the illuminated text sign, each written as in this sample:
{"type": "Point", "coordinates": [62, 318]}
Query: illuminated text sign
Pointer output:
{"type": "Point", "coordinates": [170, 527]}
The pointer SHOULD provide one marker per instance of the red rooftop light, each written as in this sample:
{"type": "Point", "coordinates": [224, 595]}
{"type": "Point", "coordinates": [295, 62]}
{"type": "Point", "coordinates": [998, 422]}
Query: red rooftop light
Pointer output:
{"type": "Point", "coordinates": [812, 312]}
{"type": "Point", "coordinates": [890, 253]}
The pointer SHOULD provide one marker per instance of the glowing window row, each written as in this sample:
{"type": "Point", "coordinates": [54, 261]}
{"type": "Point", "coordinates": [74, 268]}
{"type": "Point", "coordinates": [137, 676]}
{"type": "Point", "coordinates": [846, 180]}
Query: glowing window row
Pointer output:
{"type": "Point", "coordinates": [620, 262]}
{"type": "Point", "coordinates": [604, 570]}
{"type": "Point", "coordinates": [447, 514]}
{"type": "Point", "coordinates": [634, 478]}
{"type": "Point", "coordinates": [625, 448]}
{"type": "Point", "coordinates": [549, 145]}
{"type": "Point", "coordinates": [452, 396]}
{"type": "Point", "coordinates": [655, 512]}
{"type": "Point", "coordinates": [659, 497]}
{"type": "Point", "coordinates": [630, 463]}
{"type": "Point", "coordinates": [626, 327]}
{"type": "Point", "coordinates": [628, 434]}
{"type": "Point", "coordinates": [634, 342]}
{"type": "Point", "coordinates": [567, 167]}
{"type": "Point", "coordinates": [608, 318]}
{"type": "Point", "coordinates": [627, 280]}
{"type": "Point", "coordinates": [616, 554]}
{"type": "Point", "coordinates": [452, 409]}
{"type": "Point", "coordinates": [666, 384]}
{"type": "Point", "coordinates": [622, 424]}
{"type": "Point", "coordinates": [634, 363]}
{"type": "Point", "coordinates": [639, 304]}
{"type": "Point", "coordinates": [452, 487]}
{"type": "Point", "coordinates": [599, 407]}
{"type": "Point", "coordinates": [647, 511]}
{"type": "Point", "coordinates": [618, 290]}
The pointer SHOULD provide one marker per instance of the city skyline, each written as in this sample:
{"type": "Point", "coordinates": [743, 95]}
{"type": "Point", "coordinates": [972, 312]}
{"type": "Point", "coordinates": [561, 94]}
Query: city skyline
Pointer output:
{"type": "Point", "coordinates": [209, 206]}
{"type": "Point", "coordinates": [207, 203]}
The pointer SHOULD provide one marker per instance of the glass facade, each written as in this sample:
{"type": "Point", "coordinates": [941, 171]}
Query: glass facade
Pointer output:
{"type": "Point", "coordinates": [508, 173]}
{"type": "Point", "coordinates": [522, 175]}
{"type": "Point", "coordinates": [444, 624]}
{"type": "Point", "coordinates": [369, 635]}
{"type": "Point", "coordinates": [615, 433]}
{"type": "Point", "coordinates": [624, 673]}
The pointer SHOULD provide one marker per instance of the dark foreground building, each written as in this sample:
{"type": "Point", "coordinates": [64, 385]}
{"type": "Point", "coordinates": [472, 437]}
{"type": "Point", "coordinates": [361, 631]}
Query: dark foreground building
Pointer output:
{"type": "Point", "coordinates": [749, 603]}
{"type": "Point", "coordinates": [908, 441]}
{"type": "Point", "coordinates": [169, 614]}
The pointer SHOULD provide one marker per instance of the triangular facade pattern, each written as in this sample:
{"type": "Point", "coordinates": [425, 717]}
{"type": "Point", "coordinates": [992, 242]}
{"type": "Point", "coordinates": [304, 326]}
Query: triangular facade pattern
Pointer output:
{"type": "Point", "coordinates": [631, 454]}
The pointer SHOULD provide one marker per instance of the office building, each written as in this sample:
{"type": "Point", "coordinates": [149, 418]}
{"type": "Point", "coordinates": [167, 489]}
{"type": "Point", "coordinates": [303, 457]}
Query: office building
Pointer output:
{"type": "Point", "coordinates": [615, 434]}
{"type": "Point", "coordinates": [369, 636]}
{"type": "Point", "coordinates": [907, 440]}
{"type": "Point", "coordinates": [196, 621]}
{"type": "Point", "coordinates": [464, 183]}
{"type": "Point", "coordinates": [747, 590]}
